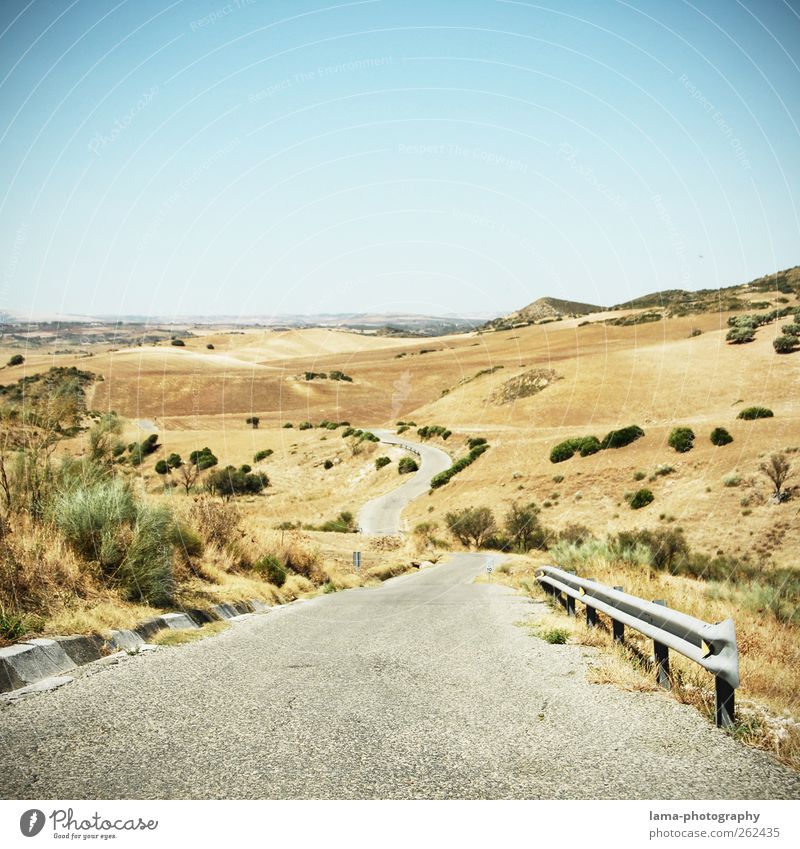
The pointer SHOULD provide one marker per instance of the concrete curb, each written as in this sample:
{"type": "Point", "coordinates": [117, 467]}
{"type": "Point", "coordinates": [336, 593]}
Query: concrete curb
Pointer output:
{"type": "Point", "coordinates": [26, 665]}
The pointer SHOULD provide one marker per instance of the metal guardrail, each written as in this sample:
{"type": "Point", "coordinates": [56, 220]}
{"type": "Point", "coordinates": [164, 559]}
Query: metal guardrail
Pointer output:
{"type": "Point", "coordinates": [713, 646]}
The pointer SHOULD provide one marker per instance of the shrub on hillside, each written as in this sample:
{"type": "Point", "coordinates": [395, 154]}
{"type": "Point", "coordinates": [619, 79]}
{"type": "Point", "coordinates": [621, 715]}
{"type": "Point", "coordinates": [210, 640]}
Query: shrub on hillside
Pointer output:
{"type": "Point", "coordinates": [380, 462]}
{"type": "Point", "coordinates": [271, 569]}
{"type": "Point", "coordinates": [622, 437]}
{"type": "Point", "coordinates": [132, 543]}
{"type": "Point", "coordinates": [751, 413]}
{"type": "Point", "coordinates": [585, 445]}
{"type": "Point", "coordinates": [791, 329]}
{"type": "Point", "coordinates": [230, 481]}
{"type": "Point", "coordinates": [305, 426]}
{"type": "Point", "coordinates": [428, 431]}
{"type": "Point", "coordinates": [740, 335]}
{"type": "Point", "coordinates": [328, 464]}
{"type": "Point", "coordinates": [785, 344]}
{"type": "Point", "coordinates": [288, 424]}
{"type": "Point", "coordinates": [210, 347]}
{"type": "Point", "coordinates": [681, 439]}
{"type": "Point", "coordinates": [458, 466]}
{"type": "Point", "coordinates": [720, 436]}
{"type": "Point", "coordinates": [140, 450]}
{"type": "Point", "coordinates": [203, 459]}
{"type": "Point", "coordinates": [641, 498]}
{"type": "Point", "coordinates": [178, 343]}
{"type": "Point", "coordinates": [475, 441]}
{"type": "Point", "coordinates": [16, 360]}
{"type": "Point", "coordinates": [406, 465]}
{"type": "Point", "coordinates": [262, 455]}
{"type": "Point", "coordinates": [344, 523]}
{"type": "Point", "coordinates": [162, 468]}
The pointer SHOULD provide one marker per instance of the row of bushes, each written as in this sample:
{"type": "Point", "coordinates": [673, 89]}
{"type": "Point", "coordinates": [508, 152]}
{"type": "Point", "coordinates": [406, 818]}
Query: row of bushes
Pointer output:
{"type": "Point", "coordinates": [360, 435]}
{"type": "Point", "coordinates": [459, 465]}
{"type": "Point", "coordinates": [428, 431]}
{"type": "Point", "coordinates": [743, 329]}
{"type": "Point", "coordinates": [587, 445]}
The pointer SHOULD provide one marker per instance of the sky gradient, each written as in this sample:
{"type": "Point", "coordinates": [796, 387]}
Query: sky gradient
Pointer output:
{"type": "Point", "coordinates": [259, 157]}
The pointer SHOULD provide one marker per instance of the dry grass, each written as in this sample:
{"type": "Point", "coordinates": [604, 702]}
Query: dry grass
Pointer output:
{"type": "Point", "coordinates": [168, 637]}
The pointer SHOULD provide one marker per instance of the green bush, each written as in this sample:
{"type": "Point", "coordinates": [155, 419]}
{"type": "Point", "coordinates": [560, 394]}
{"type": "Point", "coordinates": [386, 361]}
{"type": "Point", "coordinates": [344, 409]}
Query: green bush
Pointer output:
{"type": "Point", "coordinates": [741, 334]}
{"type": "Point", "coordinates": [428, 431]}
{"type": "Point", "coordinates": [230, 481]}
{"type": "Point", "coordinates": [585, 445]}
{"type": "Point", "coordinates": [380, 462]}
{"type": "Point", "coordinates": [178, 343]}
{"type": "Point", "coordinates": [750, 413]}
{"type": "Point", "coordinates": [146, 572]}
{"type": "Point", "coordinates": [475, 441]}
{"type": "Point", "coordinates": [340, 375]}
{"type": "Point", "coordinates": [187, 540]}
{"type": "Point", "coordinates": [140, 450]}
{"type": "Point", "coordinates": [203, 459]}
{"type": "Point", "coordinates": [681, 439]}
{"type": "Point", "coordinates": [262, 455]}
{"type": "Point", "coordinates": [162, 468]}
{"type": "Point", "coordinates": [791, 329]}
{"type": "Point", "coordinates": [459, 465]}
{"type": "Point", "coordinates": [328, 464]}
{"type": "Point", "coordinates": [622, 437]}
{"type": "Point", "coordinates": [406, 465]}
{"type": "Point", "coordinates": [210, 347]}
{"type": "Point", "coordinates": [555, 636]}
{"type": "Point", "coordinates": [785, 344]}
{"type": "Point", "coordinates": [344, 523]}
{"type": "Point", "coordinates": [271, 569]}
{"type": "Point", "coordinates": [720, 436]}
{"type": "Point", "coordinates": [133, 543]}
{"type": "Point", "coordinates": [641, 498]}
{"type": "Point", "coordinates": [174, 461]}
{"type": "Point", "coordinates": [91, 517]}
{"type": "Point", "coordinates": [305, 426]}
{"type": "Point", "coordinates": [402, 429]}
{"type": "Point", "coordinates": [639, 476]}
{"type": "Point", "coordinates": [16, 360]}
{"type": "Point", "coordinates": [288, 424]}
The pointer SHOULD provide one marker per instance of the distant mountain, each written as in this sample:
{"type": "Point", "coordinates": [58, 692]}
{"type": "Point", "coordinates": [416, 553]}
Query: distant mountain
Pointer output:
{"type": "Point", "coordinates": [542, 311]}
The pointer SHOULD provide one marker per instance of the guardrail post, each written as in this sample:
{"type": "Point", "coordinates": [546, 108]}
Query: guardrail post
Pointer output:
{"type": "Point", "coordinates": [617, 628]}
{"type": "Point", "coordinates": [591, 617]}
{"type": "Point", "coordinates": [726, 699]}
{"type": "Point", "coordinates": [569, 601]}
{"type": "Point", "coordinates": [661, 655]}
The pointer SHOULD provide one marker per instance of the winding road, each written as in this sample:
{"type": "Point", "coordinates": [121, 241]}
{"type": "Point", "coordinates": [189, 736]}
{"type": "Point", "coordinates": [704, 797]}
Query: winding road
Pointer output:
{"type": "Point", "coordinates": [382, 515]}
{"type": "Point", "coordinates": [424, 687]}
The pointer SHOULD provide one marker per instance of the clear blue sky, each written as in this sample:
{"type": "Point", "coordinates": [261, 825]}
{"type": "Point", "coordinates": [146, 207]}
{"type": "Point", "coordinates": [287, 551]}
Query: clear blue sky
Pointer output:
{"type": "Point", "coordinates": [272, 156]}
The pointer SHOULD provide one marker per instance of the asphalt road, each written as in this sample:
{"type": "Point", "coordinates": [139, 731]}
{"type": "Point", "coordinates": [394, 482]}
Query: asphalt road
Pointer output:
{"type": "Point", "coordinates": [423, 687]}
{"type": "Point", "coordinates": [383, 515]}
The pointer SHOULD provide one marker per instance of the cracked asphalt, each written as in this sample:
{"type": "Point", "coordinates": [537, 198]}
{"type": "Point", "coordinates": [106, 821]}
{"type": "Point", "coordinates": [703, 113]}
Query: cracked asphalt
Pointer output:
{"type": "Point", "coordinates": [425, 687]}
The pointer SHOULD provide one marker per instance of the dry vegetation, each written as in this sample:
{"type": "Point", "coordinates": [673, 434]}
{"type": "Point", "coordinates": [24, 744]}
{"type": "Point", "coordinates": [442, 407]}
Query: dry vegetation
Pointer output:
{"type": "Point", "coordinates": [677, 371]}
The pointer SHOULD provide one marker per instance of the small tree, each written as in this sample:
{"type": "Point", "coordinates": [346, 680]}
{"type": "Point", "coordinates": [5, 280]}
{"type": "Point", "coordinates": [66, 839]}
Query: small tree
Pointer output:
{"type": "Point", "coordinates": [16, 360]}
{"type": "Point", "coordinates": [407, 465]}
{"type": "Point", "coordinates": [174, 461]}
{"type": "Point", "coordinates": [253, 420]}
{"type": "Point", "coordinates": [682, 439]}
{"type": "Point", "coordinates": [188, 475]}
{"type": "Point", "coordinates": [523, 528]}
{"type": "Point", "coordinates": [784, 344]}
{"type": "Point", "coordinates": [777, 469]}
{"type": "Point", "coordinates": [162, 468]}
{"type": "Point", "coordinates": [472, 525]}
{"type": "Point", "coordinates": [740, 335]}
{"type": "Point", "coordinates": [720, 436]}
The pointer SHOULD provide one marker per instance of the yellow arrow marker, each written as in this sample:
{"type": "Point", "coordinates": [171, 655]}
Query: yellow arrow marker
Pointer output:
{"type": "Point", "coordinates": [583, 591]}
{"type": "Point", "coordinates": [706, 648]}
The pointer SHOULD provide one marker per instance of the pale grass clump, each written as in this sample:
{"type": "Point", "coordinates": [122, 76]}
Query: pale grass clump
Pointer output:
{"type": "Point", "coordinates": [295, 587]}
{"type": "Point", "coordinates": [570, 555]}
{"type": "Point", "coordinates": [97, 617]}
{"type": "Point", "coordinates": [168, 637]}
